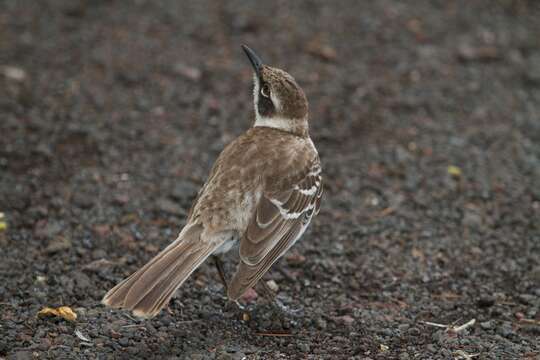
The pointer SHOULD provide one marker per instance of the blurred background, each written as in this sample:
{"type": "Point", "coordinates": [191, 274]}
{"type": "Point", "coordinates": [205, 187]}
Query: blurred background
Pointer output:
{"type": "Point", "coordinates": [427, 118]}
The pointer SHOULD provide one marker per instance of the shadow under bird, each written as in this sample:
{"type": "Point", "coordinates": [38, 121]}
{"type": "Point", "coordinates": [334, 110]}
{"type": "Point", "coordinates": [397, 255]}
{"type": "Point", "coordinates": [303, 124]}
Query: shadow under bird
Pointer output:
{"type": "Point", "coordinates": [263, 191]}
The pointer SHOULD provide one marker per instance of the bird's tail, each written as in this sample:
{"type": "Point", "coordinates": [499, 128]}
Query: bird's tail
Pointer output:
{"type": "Point", "coordinates": [151, 287]}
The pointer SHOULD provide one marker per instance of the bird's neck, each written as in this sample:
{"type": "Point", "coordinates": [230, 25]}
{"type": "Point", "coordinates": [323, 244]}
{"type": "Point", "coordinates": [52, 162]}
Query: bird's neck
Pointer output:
{"type": "Point", "coordinates": [295, 126]}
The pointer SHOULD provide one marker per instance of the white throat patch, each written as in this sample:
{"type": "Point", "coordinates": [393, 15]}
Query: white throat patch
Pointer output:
{"type": "Point", "coordinates": [276, 122]}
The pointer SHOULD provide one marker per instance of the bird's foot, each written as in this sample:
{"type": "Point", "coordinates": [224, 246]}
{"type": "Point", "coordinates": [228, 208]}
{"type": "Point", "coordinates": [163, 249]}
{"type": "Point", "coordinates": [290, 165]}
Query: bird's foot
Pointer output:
{"type": "Point", "coordinates": [276, 303]}
{"type": "Point", "coordinates": [287, 310]}
{"type": "Point", "coordinates": [240, 306]}
{"type": "Point", "coordinates": [234, 309]}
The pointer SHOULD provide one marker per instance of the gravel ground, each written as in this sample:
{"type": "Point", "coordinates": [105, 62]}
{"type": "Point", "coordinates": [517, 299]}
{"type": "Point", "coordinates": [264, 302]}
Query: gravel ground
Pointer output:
{"type": "Point", "coordinates": [427, 117]}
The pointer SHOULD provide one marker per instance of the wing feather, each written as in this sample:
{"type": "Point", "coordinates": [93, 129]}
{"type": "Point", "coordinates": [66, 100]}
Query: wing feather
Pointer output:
{"type": "Point", "coordinates": [280, 219]}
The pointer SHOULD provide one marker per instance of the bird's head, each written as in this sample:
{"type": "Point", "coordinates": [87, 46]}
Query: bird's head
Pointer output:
{"type": "Point", "coordinates": [279, 101]}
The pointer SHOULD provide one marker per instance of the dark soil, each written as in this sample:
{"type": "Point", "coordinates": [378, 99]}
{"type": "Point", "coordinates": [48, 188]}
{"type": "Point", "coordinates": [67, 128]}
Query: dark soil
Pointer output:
{"type": "Point", "coordinates": [427, 118]}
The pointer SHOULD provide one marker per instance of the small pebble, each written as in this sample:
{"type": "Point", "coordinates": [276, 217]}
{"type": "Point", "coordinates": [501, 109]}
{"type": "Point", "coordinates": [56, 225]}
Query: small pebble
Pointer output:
{"type": "Point", "coordinates": [486, 325]}
{"type": "Point", "coordinates": [304, 347]}
{"type": "Point", "coordinates": [486, 301]}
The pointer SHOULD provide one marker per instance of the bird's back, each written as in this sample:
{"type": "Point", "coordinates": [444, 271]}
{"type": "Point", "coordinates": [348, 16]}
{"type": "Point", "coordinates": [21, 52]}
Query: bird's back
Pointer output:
{"type": "Point", "coordinates": [259, 161]}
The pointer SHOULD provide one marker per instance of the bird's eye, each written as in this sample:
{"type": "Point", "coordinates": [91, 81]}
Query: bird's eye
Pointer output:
{"type": "Point", "coordinates": [265, 90]}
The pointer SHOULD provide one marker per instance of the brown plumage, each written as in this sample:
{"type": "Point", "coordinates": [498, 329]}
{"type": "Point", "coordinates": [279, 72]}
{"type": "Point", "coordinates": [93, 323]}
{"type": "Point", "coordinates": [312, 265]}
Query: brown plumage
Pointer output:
{"type": "Point", "coordinates": [263, 191]}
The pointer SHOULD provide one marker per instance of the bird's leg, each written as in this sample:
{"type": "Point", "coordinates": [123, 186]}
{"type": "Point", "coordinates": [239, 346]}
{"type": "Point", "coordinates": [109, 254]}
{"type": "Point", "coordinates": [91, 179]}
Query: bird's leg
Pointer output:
{"type": "Point", "coordinates": [221, 272]}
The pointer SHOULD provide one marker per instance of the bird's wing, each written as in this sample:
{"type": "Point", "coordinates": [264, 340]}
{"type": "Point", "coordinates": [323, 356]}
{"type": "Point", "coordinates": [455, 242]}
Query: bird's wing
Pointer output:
{"type": "Point", "coordinates": [280, 219]}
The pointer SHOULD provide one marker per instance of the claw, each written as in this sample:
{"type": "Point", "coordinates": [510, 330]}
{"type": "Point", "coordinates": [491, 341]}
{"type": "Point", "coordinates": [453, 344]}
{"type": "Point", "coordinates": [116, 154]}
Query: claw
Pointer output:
{"type": "Point", "coordinates": [240, 306]}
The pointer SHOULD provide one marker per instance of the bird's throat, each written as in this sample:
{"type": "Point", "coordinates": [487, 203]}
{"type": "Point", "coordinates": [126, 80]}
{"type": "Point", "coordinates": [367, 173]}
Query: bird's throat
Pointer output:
{"type": "Point", "coordinates": [295, 126]}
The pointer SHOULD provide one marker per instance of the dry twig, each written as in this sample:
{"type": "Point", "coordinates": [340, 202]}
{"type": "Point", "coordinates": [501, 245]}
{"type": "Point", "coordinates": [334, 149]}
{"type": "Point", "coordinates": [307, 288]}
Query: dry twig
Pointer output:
{"type": "Point", "coordinates": [80, 335]}
{"type": "Point", "coordinates": [452, 328]}
{"type": "Point", "coordinates": [529, 321]}
{"type": "Point", "coordinates": [457, 329]}
{"type": "Point", "coordinates": [273, 334]}
{"type": "Point", "coordinates": [460, 354]}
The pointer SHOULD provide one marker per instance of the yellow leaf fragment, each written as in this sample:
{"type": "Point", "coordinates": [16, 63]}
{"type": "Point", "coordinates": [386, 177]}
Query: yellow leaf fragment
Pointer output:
{"type": "Point", "coordinates": [64, 312]}
{"type": "Point", "coordinates": [67, 313]}
{"type": "Point", "coordinates": [454, 170]}
{"type": "Point", "coordinates": [3, 223]}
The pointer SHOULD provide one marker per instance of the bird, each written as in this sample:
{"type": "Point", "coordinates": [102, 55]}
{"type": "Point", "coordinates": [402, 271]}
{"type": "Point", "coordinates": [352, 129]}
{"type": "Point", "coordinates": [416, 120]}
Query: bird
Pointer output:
{"type": "Point", "coordinates": [262, 193]}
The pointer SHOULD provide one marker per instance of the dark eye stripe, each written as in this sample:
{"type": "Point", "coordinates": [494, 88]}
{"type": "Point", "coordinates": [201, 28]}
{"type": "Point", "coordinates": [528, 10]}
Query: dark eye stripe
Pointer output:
{"type": "Point", "coordinates": [265, 106]}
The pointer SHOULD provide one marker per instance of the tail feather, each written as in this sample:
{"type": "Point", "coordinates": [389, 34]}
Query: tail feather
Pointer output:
{"type": "Point", "coordinates": [150, 288]}
{"type": "Point", "coordinates": [160, 295]}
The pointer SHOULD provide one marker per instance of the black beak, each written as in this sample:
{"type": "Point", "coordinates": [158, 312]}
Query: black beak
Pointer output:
{"type": "Point", "coordinates": [256, 62]}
